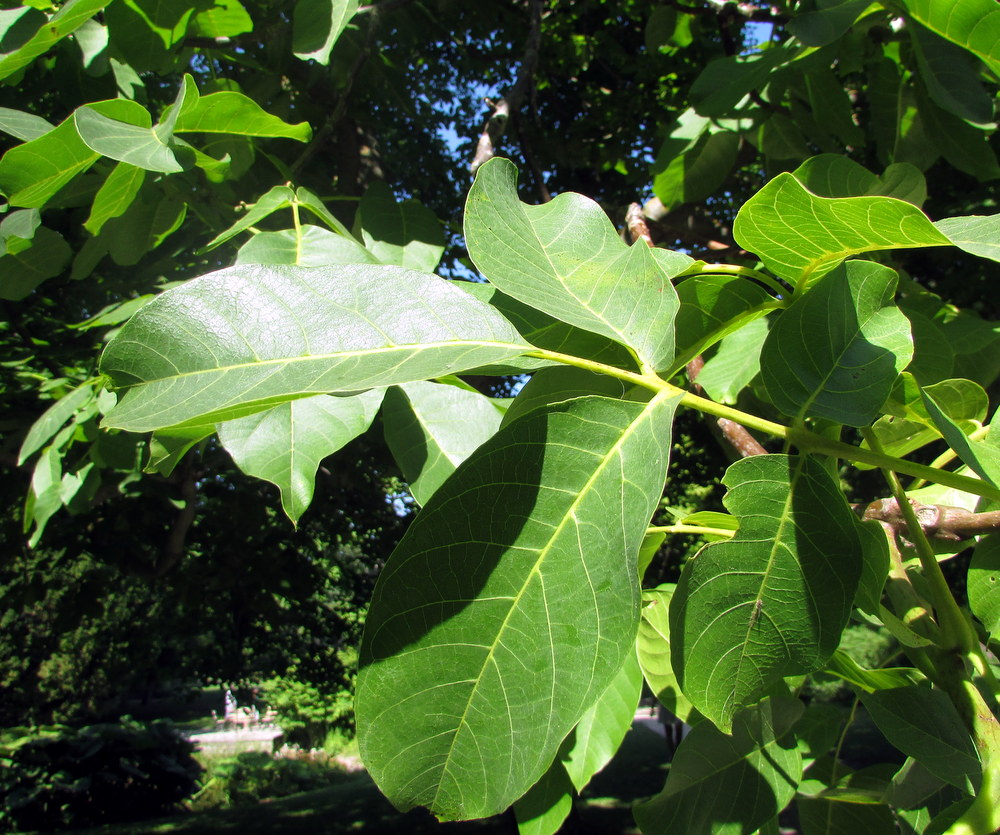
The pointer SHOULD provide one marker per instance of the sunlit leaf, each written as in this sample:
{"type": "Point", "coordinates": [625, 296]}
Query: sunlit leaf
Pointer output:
{"type": "Point", "coordinates": [309, 246]}
{"type": "Point", "coordinates": [70, 16]}
{"type": "Point", "coordinates": [653, 645]}
{"type": "Point", "coordinates": [115, 195]}
{"type": "Point", "coordinates": [547, 804]}
{"type": "Point", "coordinates": [972, 24]}
{"type": "Point", "coordinates": [239, 340]}
{"type": "Point", "coordinates": [566, 257]}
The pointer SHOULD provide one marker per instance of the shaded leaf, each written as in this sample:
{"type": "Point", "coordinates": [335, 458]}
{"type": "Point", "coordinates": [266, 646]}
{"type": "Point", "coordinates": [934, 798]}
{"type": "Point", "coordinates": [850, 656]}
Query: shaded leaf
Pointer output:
{"type": "Point", "coordinates": [24, 126]}
{"type": "Point", "coordinates": [406, 234]}
{"type": "Point", "coordinates": [22, 272]}
{"type": "Point", "coordinates": [943, 746]}
{"type": "Point", "coordinates": [53, 419]}
{"type": "Point", "coordinates": [972, 24]}
{"type": "Point", "coordinates": [70, 16]}
{"type": "Point", "coordinates": [566, 257]}
{"type": "Point", "coordinates": [984, 583]}
{"type": "Point", "coordinates": [311, 246]}
{"type": "Point", "coordinates": [653, 645]}
{"type": "Point", "coordinates": [736, 362]}
{"type": "Point", "coordinates": [259, 336]}
{"type": "Point", "coordinates": [951, 77]}
{"type": "Point", "coordinates": [836, 351]}
{"type": "Point", "coordinates": [532, 611]}
{"type": "Point", "coordinates": [316, 25]}
{"type": "Point", "coordinates": [720, 782]}
{"type": "Point", "coordinates": [599, 733]}
{"type": "Point", "coordinates": [725, 81]}
{"type": "Point", "coordinates": [772, 601]}
{"type": "Point", "coordinates": [547, 803]}
{"type": "Point", "coordinates": [285, 444]}
{"type": "Point", "coordinates": [827, 23]}
{"type": "Point", "coordinates": [431, 428]}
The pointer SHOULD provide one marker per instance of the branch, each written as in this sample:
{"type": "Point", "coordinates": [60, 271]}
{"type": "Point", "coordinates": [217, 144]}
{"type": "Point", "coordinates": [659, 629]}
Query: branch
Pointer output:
{"type": "Point", "coordinates": [174, 548]}
{"type": "Point", "coordinates": [635, 220]}
{"type": "Point", "coordinates": [738, 437]}
{"type": "Point", "coordinates": [941, 522]}
{"type": "Point", "coordinates": [496, 123]}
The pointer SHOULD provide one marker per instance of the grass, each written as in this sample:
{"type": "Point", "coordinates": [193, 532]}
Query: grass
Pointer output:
{"type": "Point", "coordinates": [353, 804]}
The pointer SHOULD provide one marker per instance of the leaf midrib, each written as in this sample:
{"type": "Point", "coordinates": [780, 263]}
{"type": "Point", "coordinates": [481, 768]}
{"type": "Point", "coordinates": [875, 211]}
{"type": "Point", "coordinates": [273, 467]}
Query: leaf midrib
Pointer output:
{"type": "Point", "coordinates": [570, 513]}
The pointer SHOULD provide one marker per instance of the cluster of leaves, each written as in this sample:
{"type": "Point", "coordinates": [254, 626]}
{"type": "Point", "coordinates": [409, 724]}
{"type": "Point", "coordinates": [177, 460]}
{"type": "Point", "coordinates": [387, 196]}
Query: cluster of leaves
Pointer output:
{"type": "Point", "coordinates": [57, 777]}
{"type": "Point", "coordinates": [509, 634]}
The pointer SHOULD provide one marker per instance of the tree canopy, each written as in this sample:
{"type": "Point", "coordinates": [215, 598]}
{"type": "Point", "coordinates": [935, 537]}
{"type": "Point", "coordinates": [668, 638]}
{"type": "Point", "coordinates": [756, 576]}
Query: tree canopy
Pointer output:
{"type": "Point", "coordinates": [259, 319]}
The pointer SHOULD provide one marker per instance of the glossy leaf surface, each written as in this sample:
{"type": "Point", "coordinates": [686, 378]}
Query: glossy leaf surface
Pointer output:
{"type": "Point", "coordinates": [468, 685]}
{"type": "Point", "coordinates": [259, 336]}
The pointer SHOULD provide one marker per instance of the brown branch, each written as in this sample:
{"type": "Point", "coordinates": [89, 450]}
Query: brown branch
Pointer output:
{"type": "Point", "coordinates": [496, 123]}
{"type": "Point", "coordinates": [738, 437]}
{"type": "Point", "coordinates": [941, 522]}
{"type": "Point", "coordinates": [635, 220]}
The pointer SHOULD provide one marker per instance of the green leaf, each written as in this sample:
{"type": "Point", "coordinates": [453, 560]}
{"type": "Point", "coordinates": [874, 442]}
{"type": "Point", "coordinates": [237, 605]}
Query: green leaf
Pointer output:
{"type": "Point", "coordinates": [312, 203]}
{"type": "Point", "coordinates": [827, 23]}
{"type": "Point", "coordinates": [870, 681]}
{"type": "Point", "coordinates": [693, 161]}
{"type": "Point", "coordinates": [831, 175]}
{"type": "Point", "coordinates": [25, 126]}
{"type": "Point", "coordinates": [772, 601]}
{"type": "Point", "coordinates": [736, 362]}
{"type": "Point", "coordinates": [653, 645]}
{"type": "Point", "coordinates": [406, 234]}
{"type": "Point", "coordinates": [566, 257]}
{"type": "Point", "coordinates": [845, 812]}
{"type": "Point", "coordinates": [984, 583]}
{"type": "Point", "coordinates": [260, 336]}
{"type": "Point", "coordinates": [547, 803]}
{"type": "Point", "coordinates": [712, 307]}
{"type": "Point", "coordinates": [598, 735]}
{"type": "Point", "coordinates": [800, 236]}
{"type": "Point", "coordinates": [782, 139]}
{"type": "Point", "coordinates": [836, 351]}
{"type": "Point", "coordinates": [312, 246]}
{"type": "Point", "coordinates": [71, 15]}
{"type": "Point", "coordinates": [728, 783]}
{"type": "Point", "coordinates": [724, 82]}
{"type": "Point", "coordinates": [832, 109]}
{"type": "Point", "coordinates": [964, 146]}
{"type": "Point", "coordinates": [22, 272]}
{"type": "Point", "coordinates": [943, 746]}
{"type": "Point", "coordinates": [542, 331]}
{"type": "Point", "coordinates": [45, 495]}
{"type": "Point", "coordinates": [146, 224]}
{"type": "Point", "coordinates": [53, 419]}
{"type": "Point", "coordinates": [139, 146]}
{"type": "Point", "coordinates": [951, 76]}
{"type": "Point", "coordinates": [562, 382]}
{"type": "Point", "coordinates": [316, 25]}
{"type": "Point", "coordinates": [115, 195]}
{"type": "Point", "coordinates": [975, 234]}
{"type": "Point", "coordinates": [31, 173]}
{"type": "Point", "coordinates": [972, 24]}
{"type": "Point", "coordinates": [874, 567]}
{"type": "Point", "coordinates": [279, 197]}
{"type": "Point", "coordinates": [285, 444]}
{"type": "Point", "coordinates": [234, 113]}
{"type": "Point", "coordinates": [168, 446]}
{"type": "Point", "coordinates": [491, 633]}
{"type": "Point", "coordinates": [431, 428]}
{"type": "Point", "coordinates": [17, 230]}
{"type": "Point", "coordinates": [226, 19]}
{"type": "Point", "coordinates": [982, 458]}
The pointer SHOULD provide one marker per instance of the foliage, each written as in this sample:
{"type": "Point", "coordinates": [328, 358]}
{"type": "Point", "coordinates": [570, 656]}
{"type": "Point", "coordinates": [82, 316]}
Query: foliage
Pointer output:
{"type": "Point", "coordinates": [498, 665]}
{"type": "Point", "coordinates": [307, 714]}
{"type": "Point", "coordinates": [253, 776]}
{"type": "Point", "coordinates": [62, 778]}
